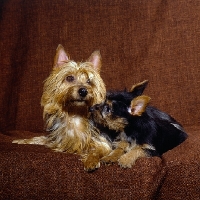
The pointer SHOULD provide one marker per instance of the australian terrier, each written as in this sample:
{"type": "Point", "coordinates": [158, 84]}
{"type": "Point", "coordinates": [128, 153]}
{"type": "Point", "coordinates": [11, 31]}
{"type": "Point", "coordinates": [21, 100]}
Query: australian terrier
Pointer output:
{"type": "Point", "coordinates": [134, 128]}
{"type": "Point", "coordinates": [68, 93]}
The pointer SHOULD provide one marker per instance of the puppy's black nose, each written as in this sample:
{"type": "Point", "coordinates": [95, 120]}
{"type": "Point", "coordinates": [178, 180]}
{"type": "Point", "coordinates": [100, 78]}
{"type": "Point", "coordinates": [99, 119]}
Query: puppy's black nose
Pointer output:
{"type": "Point", "coordinates": [96, 107]}
{"type": "Point", "coordinates": [93, 108]}
{"type": "Point", "coordinates": [82, 92]}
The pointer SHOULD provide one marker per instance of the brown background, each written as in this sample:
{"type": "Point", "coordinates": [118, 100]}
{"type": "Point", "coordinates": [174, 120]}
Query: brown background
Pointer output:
{"type": "Point", "coordinates": [156, 40]}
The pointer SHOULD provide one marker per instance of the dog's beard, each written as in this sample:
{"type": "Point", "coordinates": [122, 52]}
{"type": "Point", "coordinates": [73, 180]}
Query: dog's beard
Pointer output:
{"type": "Point", "coordinates": [77, 106]}
{"type": "Point", "coordinates": [77, 102]}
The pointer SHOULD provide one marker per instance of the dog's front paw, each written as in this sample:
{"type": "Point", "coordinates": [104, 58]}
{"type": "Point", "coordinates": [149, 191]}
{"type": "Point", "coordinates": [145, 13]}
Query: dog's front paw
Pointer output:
{"type": "Point", "coordinates": [41, 140]}
{"type": "Point", "coordinates": [20, 141]}
{"type": "Point", "coordinates": [91, 163]}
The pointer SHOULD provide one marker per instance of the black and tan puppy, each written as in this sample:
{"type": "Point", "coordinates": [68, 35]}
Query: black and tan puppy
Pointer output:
{"type": "Point", "coordinates": [134, 128]}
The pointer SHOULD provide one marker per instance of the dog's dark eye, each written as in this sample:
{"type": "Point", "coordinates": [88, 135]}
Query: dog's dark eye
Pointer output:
{"type": "Point", "coordinates": [88, 81]}
{"type": "Point", "coordinates": [70, 78]}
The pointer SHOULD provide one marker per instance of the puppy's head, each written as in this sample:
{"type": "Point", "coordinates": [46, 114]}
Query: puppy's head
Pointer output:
{"type": "Point", "coordinates": [116, 111]}
{"type": "Point", "coordinates": [111, 114]}
{"type": "Point", "coordinates": [127, 96]}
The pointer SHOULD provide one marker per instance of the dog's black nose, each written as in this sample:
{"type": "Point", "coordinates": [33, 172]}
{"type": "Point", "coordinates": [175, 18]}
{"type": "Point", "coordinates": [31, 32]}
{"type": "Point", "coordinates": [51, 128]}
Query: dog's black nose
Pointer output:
{"type": "Point", "coordinates": [82, 92]}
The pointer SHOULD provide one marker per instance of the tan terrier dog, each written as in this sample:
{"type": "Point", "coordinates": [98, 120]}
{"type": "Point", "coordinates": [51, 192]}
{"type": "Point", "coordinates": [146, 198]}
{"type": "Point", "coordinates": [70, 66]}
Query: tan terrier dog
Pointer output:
{"type": "Point", "coordinates": [68, 93]}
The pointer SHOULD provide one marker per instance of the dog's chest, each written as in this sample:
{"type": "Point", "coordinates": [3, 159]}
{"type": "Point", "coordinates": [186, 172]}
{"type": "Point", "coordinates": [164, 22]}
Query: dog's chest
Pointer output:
{"type": "Point", "coordinates": [76, 121]}
{"type": "Point", "coordinates": [77, 127]}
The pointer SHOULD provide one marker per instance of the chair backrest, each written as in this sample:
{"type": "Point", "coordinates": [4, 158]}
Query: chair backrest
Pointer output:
{"type": "Point", "coordinates": [138, 40]}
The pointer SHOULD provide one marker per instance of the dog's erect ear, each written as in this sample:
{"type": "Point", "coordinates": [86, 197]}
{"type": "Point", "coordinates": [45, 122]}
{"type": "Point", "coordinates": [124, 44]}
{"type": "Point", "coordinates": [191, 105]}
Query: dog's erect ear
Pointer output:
{"type": "Point", "coordinates": [95, 59]}
{"type": "Point", "coordinates": [138, 105]}
{"type": "Point", "coordinates": [60, 57]}
{"type": "Point", "coordinates": [138, 88]}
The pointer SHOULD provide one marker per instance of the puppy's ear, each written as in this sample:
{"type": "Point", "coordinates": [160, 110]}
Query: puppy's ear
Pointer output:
{"type": "Point", "coordinates": [61, 56]}
{"type": "Point", "coordinates": [138, 88]}
{"type": "Point", "coordinates": [138, 105]}
{"type": "Point", "coordinates": [95, 59]}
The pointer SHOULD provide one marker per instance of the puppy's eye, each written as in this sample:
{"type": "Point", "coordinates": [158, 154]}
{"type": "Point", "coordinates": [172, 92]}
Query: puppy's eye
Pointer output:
{"type": "Point", "coordinates": [70, 78]}
{"type": "Point", "coordinates": [107, 109]}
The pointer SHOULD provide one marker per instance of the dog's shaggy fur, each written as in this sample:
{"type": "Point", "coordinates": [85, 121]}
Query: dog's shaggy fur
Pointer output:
{"type": "Point", "coordinates": [68, 93]}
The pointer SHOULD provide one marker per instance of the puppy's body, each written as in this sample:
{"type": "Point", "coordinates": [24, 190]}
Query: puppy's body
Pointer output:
{"type": "Point", "coordinates": [68, 93]}
{"type": "Point", "coordinates": [134, 128]}
{"type": "Point", "coordinates": [156, 128]}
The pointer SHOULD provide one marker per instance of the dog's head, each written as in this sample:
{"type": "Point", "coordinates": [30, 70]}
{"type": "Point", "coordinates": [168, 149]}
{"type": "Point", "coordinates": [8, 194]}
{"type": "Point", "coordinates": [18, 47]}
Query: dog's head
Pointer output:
{"type": "Point", "coordinates": [114, 113]}
{"type": "Point", "coordinates": [73, 86]}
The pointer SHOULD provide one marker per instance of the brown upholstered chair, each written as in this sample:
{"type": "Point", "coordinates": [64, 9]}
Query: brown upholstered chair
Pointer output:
{"type": "Point", "coordinates": [155, 40]}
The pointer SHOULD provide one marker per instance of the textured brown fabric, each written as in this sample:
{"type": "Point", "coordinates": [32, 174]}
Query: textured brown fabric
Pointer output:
{"type": "Point", "coordinates": [41, 174]}
{"type": "Point", "coordinates": [155, 40]}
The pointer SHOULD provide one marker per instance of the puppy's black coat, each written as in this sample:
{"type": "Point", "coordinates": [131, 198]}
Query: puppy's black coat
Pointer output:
{"type": "Point", "coordinates": [141, 123]}
{"type": "Point", "coordinates": [127, 96]}
{"type": "Point", "coordinates": [153, 127]}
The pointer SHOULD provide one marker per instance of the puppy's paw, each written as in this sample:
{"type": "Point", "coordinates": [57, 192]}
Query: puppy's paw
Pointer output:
{"type": "Point", "coordinates": [109, 159]}
{"type": "Point", "coordinates": [113, 156]}
{"type": "Point", "coordinates": [126, 161]}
